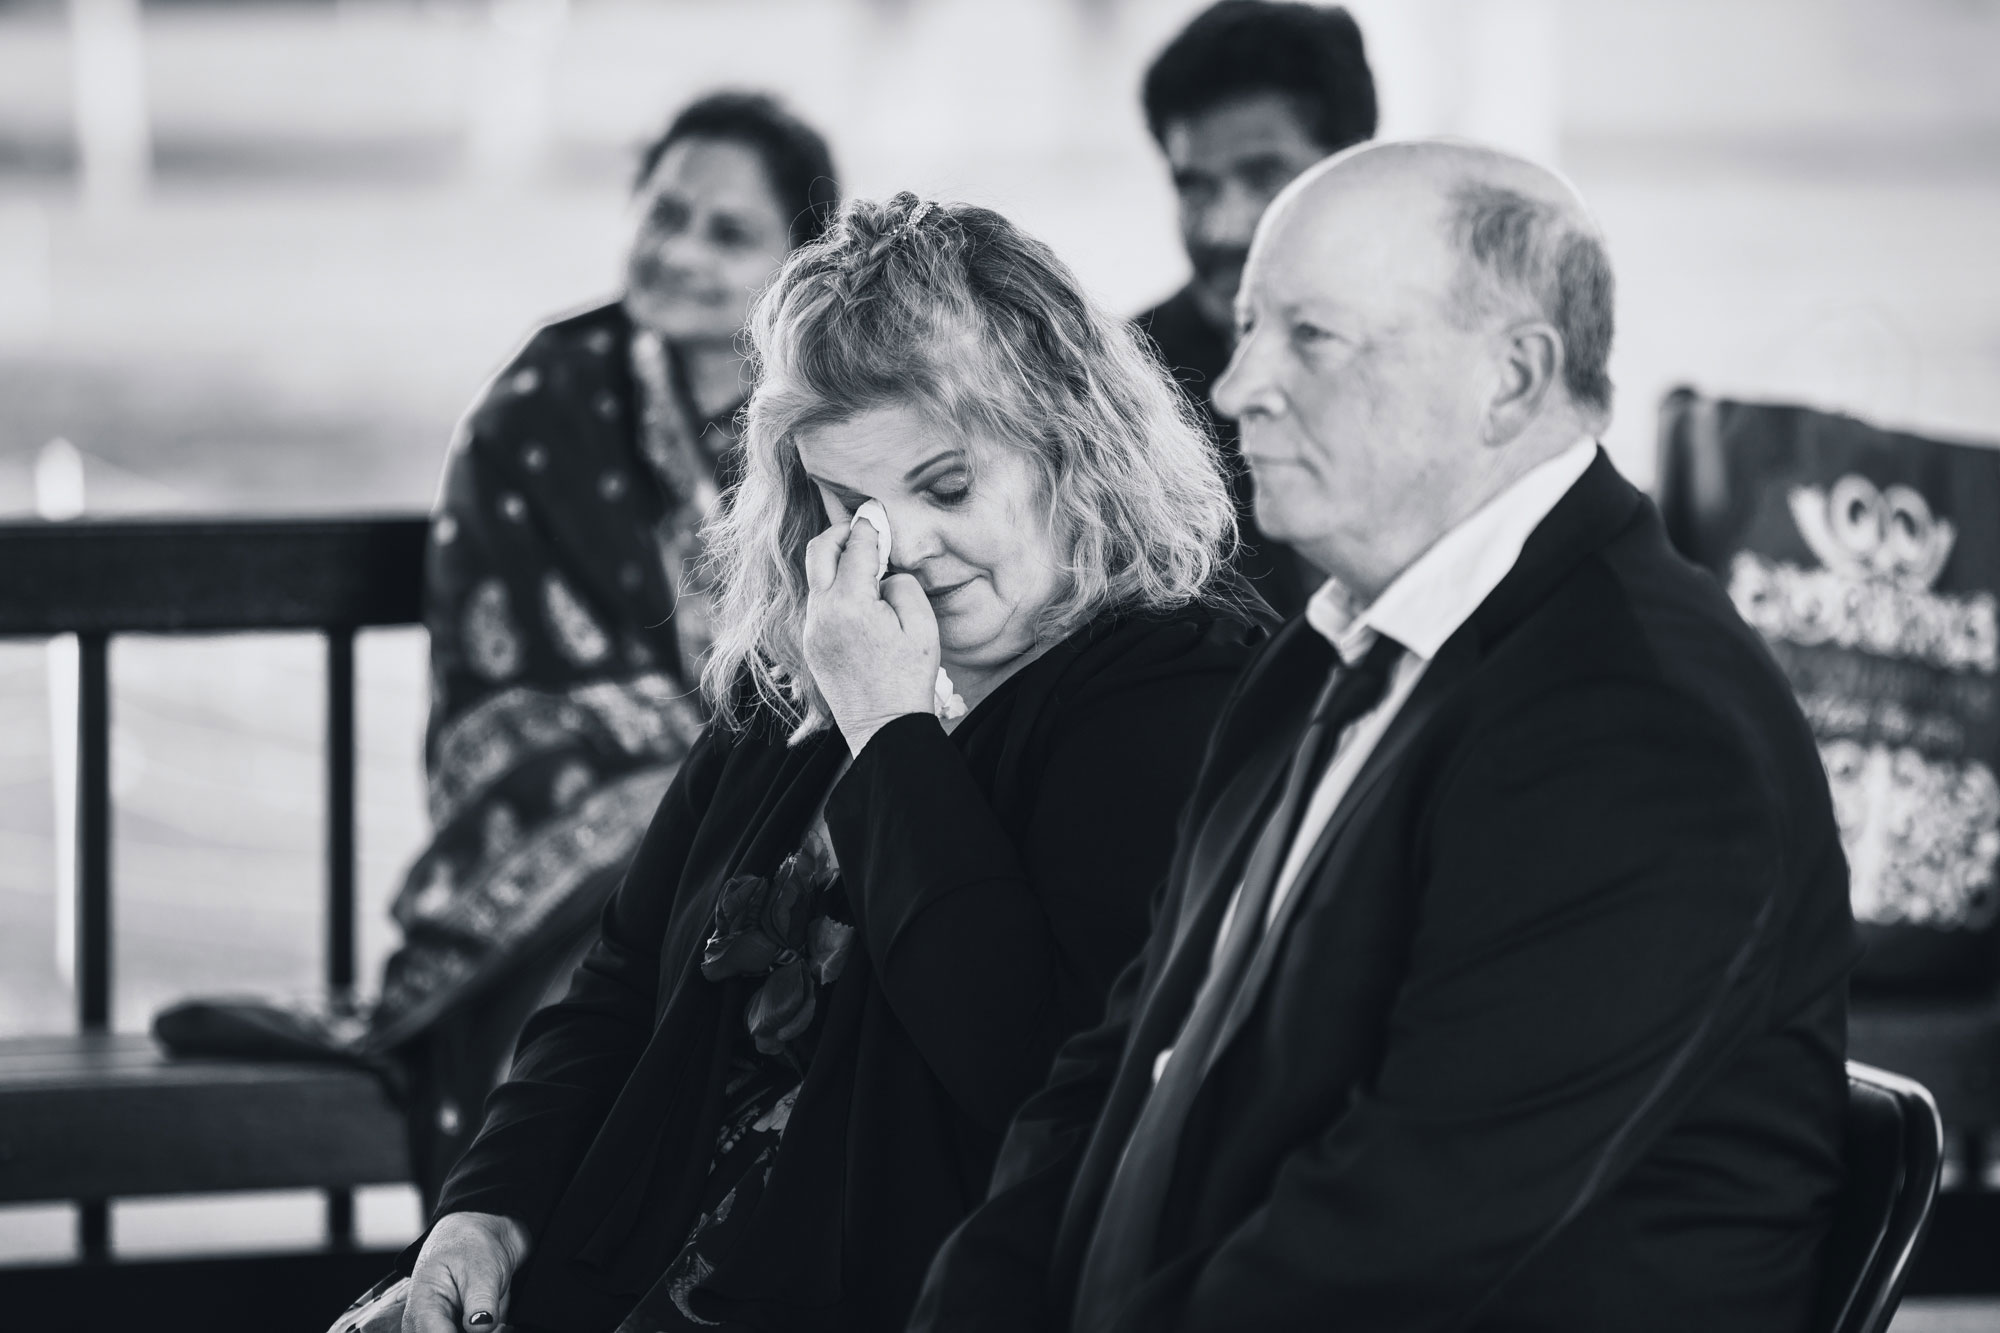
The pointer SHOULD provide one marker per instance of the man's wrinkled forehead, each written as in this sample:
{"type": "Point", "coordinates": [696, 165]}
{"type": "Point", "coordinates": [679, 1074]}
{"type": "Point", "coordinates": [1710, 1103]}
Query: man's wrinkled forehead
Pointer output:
{"type": "Point", "coordinates": [1331, 233]}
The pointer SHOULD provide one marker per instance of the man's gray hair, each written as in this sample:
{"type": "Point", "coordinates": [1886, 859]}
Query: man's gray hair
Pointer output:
{"type": "Point", "coordinates": [1517, 247]}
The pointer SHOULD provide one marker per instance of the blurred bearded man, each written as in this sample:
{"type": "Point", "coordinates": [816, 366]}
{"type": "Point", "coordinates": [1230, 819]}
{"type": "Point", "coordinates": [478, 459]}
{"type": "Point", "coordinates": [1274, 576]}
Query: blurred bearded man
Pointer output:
{"type": "Point", "coordinates": [1249, 95]}
{"type": "Point", "coordinates": [1499, 980]}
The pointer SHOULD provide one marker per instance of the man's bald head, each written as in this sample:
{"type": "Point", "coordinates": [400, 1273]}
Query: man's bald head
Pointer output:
{"type": "Point", "coordinates": [1522, 240]}
{"type": "Point", "coordinates": [1421, 324]}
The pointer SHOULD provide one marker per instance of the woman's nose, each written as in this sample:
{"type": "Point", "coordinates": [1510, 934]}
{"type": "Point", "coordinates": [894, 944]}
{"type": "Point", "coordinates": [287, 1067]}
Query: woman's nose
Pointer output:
{"type": "Point", "coordinates": [680, 252]}
{"type": "Point", "coordinates": [916, 537]}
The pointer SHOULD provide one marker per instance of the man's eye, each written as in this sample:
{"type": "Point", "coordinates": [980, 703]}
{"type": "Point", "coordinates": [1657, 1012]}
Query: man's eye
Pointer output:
{"type": "Point", "coordinates": [1267, 178]}
{"type": "Point", "coordinates": [1308, 335]}
{"type": "Point", "coordinates": [1195, 189]}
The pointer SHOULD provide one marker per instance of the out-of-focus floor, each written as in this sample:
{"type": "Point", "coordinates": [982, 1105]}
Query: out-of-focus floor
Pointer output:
{"type": "Point", "coordinates": [1939, 1315]}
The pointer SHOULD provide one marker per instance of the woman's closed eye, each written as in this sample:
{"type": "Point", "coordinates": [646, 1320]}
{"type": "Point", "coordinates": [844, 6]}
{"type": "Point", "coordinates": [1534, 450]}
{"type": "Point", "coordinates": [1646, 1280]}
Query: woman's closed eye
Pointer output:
{"type": "Point", "coordinates": [951, 490]}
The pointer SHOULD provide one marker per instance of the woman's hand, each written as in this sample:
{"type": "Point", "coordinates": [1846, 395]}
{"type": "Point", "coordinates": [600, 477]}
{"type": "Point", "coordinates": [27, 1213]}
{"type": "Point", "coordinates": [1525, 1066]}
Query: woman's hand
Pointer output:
{"type": "Point", "coordinates": [462, 1274]}
{"type": "Point", "coordinates": [873, 654]}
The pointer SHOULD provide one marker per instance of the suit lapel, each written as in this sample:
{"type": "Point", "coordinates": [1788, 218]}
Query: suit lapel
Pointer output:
{"type": "Point", "coordinates": [1252, 745]}
{"type": "Point", "coordinates": [1256, 742]}
{"type": "Point", "coordinates": [1595, 509]}
{"type": "Point", "coordinates": [1246, 765]}
{"type": "Point", "coordinates": [1441, 680]}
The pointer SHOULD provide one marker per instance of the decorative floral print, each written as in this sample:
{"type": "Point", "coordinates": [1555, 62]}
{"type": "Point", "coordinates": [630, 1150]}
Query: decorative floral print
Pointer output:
{"type": "Point", "coordinates": [776, 926]}
{"type": "Point", "coordinates": [492, 643]}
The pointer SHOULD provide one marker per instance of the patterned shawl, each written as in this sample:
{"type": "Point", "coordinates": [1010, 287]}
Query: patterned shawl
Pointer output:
{"type": "Point", "coordinates": [567, 615]}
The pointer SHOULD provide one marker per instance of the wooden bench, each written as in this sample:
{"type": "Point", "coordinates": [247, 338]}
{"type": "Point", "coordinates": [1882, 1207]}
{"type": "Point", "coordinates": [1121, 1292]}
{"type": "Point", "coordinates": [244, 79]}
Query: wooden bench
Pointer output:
{"type": "Point", "coordinates": [99, 1115]}
{"type": "Point", "coordinates": [92, 1116]}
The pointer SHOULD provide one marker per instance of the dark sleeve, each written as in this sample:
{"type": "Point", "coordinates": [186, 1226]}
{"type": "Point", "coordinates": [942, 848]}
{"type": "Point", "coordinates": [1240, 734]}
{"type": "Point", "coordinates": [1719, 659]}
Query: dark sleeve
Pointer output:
{"type": "Point", "coordinates": [992, 1273]}
{"type": "Point", "coordinates": [575, 1055]}
{"type": "Point", "coordinates": [993, 951]}
{"type": "Point", "coordinates": [1596, 937]}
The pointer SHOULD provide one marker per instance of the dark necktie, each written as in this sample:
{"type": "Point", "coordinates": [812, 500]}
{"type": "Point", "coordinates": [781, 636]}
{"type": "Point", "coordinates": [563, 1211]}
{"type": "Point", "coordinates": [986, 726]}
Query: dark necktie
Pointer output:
{"type": "Point", "coordinates": [1121, 1246]}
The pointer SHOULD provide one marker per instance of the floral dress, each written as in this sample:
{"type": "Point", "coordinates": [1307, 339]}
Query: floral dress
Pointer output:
{"type": "Point", "coordinates": [787, 927]}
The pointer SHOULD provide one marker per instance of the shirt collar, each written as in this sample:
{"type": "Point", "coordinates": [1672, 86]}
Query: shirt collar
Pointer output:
{"type": "Point", "coordinates": [1426, 603]}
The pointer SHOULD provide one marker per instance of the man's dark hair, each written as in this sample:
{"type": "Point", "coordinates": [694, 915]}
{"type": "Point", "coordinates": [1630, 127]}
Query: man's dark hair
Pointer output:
{"type": "Point", "coordinates": [1309, 53]}
{"type": "Point", "coordinates": [795, 157]}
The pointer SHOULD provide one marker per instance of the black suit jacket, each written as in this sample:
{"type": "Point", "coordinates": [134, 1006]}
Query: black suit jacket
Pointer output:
{"type": "Point", "coordinates": [1196, 353]}
{"type": "Point", "coordinates": [1548, 1036]}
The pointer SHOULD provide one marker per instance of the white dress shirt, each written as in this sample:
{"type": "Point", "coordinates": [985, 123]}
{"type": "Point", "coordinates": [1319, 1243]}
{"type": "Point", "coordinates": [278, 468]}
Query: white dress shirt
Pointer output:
{"type": "Point", "coordinates": [1420, 609]}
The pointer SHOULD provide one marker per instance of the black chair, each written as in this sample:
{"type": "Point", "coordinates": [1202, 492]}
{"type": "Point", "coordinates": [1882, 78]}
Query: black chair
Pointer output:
{"type": "Point", "coordinates": [1894, 1143]}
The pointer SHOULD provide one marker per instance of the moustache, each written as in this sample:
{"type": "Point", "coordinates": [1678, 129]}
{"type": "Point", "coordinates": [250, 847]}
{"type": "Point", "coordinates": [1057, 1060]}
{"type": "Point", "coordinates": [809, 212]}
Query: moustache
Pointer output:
{"type": "Point", "coordinates": [1216, 261]}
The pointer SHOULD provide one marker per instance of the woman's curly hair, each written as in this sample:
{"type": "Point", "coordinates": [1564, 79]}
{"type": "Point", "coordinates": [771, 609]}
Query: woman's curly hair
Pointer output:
{"type": "Point", "coordinates": [953, 311]}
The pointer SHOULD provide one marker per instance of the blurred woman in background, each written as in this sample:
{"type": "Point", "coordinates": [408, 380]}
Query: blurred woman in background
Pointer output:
{"type": "Point", "coordinates": [566, 602]}
{"type": "Point", "coordinates": [568, 614]}
{"type": "Point", "coordinates": [865, 917]}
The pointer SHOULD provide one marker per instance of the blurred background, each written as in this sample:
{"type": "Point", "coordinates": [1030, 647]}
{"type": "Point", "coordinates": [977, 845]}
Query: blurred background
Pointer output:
{"type": "Point", "coordinates": [258, 256]}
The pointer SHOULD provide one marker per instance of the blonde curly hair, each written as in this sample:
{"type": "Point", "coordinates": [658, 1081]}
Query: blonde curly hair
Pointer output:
{"type": "Point", "coordinates": [953, 311]}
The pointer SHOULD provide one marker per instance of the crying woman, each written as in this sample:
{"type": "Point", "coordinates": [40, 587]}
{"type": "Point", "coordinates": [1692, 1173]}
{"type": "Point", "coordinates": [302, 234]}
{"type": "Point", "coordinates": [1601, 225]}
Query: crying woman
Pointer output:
{"type": "Point", "coordinates": [972, 624]}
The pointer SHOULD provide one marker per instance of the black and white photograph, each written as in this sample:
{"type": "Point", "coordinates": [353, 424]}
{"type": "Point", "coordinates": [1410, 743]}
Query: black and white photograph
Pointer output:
{"type": "Point", "coordinates": [1000, 666]}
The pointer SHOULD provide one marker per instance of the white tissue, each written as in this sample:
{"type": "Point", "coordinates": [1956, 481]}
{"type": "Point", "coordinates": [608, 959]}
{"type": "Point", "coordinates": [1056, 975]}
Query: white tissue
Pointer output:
{"type": "Point", "coordinates": [945, 701]}
{"type": "Point", "coordinates": [878, 519]}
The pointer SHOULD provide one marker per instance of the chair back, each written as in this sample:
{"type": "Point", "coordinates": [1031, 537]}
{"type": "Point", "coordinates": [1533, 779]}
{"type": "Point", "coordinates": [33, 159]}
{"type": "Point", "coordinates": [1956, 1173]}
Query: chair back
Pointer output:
{"type": "Point", "coordinates": [1894, 1143]}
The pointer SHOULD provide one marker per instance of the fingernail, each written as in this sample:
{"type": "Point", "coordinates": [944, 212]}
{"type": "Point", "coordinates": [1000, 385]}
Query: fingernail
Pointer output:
{"type": "Point", "coordinates": [479, 1318]}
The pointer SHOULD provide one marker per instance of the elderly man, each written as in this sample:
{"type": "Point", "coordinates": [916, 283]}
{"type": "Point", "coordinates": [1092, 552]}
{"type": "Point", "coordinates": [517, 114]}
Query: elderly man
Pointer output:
{"type": "Point", "coordinates": [1499, 978]}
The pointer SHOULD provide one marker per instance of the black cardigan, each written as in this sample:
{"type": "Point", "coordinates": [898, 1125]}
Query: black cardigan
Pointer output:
{"type": "Point", "coordinates": [999, 878]}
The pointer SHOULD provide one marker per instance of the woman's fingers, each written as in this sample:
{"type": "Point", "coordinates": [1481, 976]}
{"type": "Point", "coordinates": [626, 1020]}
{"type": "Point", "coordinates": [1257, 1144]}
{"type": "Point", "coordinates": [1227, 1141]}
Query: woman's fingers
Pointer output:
{"type": "Point", "coordinates": [484, 1303]}
{"type": "Point", "coordinates": [858, 562]}
{"type": "Point", "coordinates": [905, 597]}
{"type": "Point", "coordinates": [432, 1306]}
{"type": "Point", "coordinates": [823, 558]}
{"type": "Point", "coordinates": [468, 1296]}
{"type": "Point", "coordinates": [844, 556]}
{"type": "Point", "coordinates": [459, 1283]}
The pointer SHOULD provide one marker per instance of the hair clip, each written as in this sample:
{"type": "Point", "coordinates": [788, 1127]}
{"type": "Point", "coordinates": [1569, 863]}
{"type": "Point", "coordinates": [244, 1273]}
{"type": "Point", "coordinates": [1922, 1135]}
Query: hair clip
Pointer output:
{"type": "Point", "coordinates": [917, 215]}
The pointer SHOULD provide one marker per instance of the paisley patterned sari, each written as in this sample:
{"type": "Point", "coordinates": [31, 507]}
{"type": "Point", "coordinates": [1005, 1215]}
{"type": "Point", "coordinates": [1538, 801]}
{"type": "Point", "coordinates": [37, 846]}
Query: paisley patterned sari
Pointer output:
{"type": "Point", "coordinates": [567, 615]}
{"type": "Point", "coordinates": [568, 611]}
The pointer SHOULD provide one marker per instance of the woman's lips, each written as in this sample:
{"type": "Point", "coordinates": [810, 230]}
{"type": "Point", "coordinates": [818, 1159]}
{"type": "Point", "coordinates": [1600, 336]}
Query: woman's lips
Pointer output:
{"type": "Point", "coordinates": [688, 295]}
{"type": "Point", "coordinates": [946, 593]}
{"type": "Point", "coordinates": [671, 285]}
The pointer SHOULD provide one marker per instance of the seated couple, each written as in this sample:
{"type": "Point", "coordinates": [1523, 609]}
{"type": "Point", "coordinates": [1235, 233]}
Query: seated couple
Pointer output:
{"type": "Point", "coordinates": [1469, 953]}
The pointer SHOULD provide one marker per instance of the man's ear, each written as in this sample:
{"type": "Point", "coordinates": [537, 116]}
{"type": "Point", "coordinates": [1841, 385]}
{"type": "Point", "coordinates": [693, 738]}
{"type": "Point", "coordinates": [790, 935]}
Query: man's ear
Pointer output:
{"type": "Point", "coordinates": [1531, 361]}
